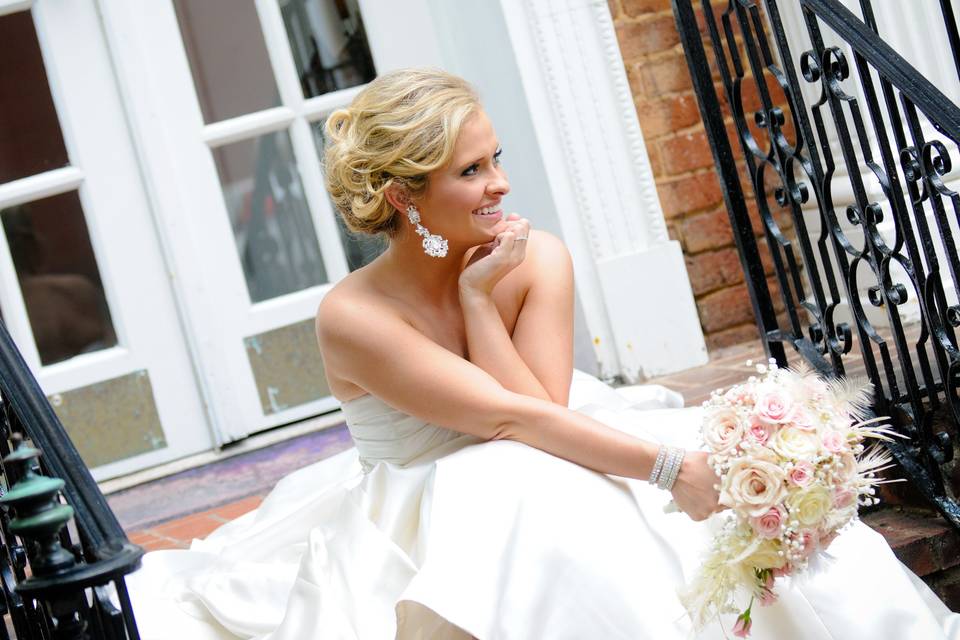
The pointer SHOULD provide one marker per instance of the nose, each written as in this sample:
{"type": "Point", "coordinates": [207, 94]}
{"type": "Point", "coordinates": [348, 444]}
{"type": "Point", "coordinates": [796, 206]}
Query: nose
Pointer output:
{"type": "Point", "coordinates": [499, 185]}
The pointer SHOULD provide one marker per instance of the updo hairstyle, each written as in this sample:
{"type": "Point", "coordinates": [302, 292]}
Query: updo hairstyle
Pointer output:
{"type": "Point", "coordinates": [401, 127]}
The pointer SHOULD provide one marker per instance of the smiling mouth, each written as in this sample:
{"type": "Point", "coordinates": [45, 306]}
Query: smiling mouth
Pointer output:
{"type": "Point", "coordinates": [485, 212]}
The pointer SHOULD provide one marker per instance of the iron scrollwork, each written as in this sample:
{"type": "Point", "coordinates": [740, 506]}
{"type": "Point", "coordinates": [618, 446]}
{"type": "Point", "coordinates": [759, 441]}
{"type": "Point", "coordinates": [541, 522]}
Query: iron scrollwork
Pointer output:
{"type": "Point", "coordinates": [853, 146]}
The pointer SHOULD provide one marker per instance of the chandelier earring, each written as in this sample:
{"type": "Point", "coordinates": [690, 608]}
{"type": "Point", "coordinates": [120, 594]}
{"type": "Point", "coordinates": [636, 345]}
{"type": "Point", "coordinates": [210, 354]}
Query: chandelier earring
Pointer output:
{"type": "Point", "coordinates": [433, 245]}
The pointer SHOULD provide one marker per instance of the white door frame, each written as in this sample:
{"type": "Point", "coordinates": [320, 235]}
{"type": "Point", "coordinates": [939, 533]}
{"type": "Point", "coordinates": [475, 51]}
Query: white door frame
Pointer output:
{"type": "Point", "coordinates": [103, 171]}
{"type": "Point", "coordinates": [174, 144]}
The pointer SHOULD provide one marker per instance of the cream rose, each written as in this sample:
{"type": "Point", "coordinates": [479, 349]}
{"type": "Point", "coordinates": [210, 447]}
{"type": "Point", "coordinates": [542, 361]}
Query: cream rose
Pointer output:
{"type": "Point", "coordinates": [722, 431]}
{"type": "Point", "coordinates": [753, 486]}
{"type": "Point", "coordinates": [810, 505]}
{"type": "Point", "coordinates": [798, 444]}
{"type": "Point", "coordinates": [847, 469]}
{"type": "Point", "coordinates": [767, 556]}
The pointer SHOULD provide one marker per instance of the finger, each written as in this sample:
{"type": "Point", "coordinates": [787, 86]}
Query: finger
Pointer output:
{"type": "Point", "coordinates": [513, 216]}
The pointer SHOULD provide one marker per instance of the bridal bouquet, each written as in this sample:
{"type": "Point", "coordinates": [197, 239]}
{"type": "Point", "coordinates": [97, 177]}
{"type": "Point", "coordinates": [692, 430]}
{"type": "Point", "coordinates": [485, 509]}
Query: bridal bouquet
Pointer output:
{"type": "Point", "coordinates": [788, 449]}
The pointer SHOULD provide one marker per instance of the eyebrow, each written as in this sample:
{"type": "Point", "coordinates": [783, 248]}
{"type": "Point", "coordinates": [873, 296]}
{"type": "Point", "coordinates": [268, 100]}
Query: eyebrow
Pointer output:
{"type": "Point", "coordinates": [477, 160]}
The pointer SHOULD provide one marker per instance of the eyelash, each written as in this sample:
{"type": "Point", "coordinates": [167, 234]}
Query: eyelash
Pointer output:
{"type": "Point", "coordinates": [471, 170]}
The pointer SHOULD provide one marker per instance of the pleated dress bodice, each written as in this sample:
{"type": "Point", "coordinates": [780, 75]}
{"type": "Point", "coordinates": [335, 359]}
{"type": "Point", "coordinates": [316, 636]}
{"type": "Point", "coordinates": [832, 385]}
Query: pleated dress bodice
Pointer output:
{"type": "Point", "coordinates": [384, 434]}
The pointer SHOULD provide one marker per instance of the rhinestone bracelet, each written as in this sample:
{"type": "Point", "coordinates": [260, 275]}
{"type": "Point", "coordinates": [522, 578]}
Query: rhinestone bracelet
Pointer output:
{"type": "Point", "coordinates": [658, 465]}
{"type": "Point", "coordinates": [667, 466]}
{"type": "Point", "coordinates": [672, 468]}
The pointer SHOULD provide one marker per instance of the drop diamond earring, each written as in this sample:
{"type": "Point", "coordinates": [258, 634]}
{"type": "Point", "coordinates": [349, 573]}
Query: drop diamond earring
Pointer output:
{"type": "Point", "coordinates": [433, 245]}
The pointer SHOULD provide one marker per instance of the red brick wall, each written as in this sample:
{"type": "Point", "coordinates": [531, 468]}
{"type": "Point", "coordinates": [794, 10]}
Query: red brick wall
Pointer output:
{"type": "Point", "coordinates": [683, 167]}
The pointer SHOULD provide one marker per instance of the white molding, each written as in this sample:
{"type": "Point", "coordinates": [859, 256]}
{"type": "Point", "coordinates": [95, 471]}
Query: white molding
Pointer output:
{"type": "Point", "coordinates": [247, 126]}
{"type": "Point", "coordinates": [12, 6]}
{"type": "Point", "coordinates": [576, 85]}
{"type": "Point", "coordinates": [41, 185]}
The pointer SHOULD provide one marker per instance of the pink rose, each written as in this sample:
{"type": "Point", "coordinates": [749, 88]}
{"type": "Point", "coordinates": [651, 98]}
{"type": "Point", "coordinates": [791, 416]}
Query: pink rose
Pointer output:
{"type": "Point", "coordinates": [768, 525]}
{"type": "Point", "coordinates": [759, 431]}
{"type": "Point", "coordinates": [834, 442]}
{"type": "Point", "coordinates": [843, 497]}
{"type": "Point", "coordinates": [741, 628]}
{"type": "Point", "coordinates": [802, 474]}
{"type": "Point", "coordinates": [775, 407]}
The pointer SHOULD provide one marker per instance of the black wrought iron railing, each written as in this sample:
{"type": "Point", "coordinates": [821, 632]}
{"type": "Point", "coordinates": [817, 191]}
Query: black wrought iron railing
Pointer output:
{"type": "Point", "coordinates": [845, 151]}
{"type": "Point", "coordinates": [57, 581]}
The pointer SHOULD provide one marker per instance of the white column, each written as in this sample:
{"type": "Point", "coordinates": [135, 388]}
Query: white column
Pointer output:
{"type": "Point", "coordinates": [575, 83]}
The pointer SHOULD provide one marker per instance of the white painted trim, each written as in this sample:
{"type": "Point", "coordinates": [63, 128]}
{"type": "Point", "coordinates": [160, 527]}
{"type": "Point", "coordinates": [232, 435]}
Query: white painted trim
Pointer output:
{"type": "Point", "coordinates": [247, 126]}
{"type": "Point", "coordinates": [603, 186]}
{"type": "Point", "coordinates": [42, 185]}
{"type": "Point", "coordinates": [320, 106]}
{"type": "Point", "coordinates": [12, 6]}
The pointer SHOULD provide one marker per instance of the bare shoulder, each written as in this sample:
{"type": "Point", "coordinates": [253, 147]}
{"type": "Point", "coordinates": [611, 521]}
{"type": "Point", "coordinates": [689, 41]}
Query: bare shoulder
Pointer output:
{"type": "Point", "coordinates": [548, 256]}
{"type": "Point", "coordinates": [352, 319]}
{"type": "Point", "coordinates": [352, 304]}
{"type": "Point", "coordinates": [546, 246]}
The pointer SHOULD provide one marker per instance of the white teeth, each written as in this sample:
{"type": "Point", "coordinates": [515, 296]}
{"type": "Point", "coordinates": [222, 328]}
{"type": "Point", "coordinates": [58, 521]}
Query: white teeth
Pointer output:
{"type": "Point", "coordinates": [486, 211]}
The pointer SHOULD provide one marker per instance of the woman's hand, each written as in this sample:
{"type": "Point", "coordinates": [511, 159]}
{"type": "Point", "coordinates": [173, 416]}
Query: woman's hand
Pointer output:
{"type": "Point", "coordinates": [491, 261]}
{"type": "Point", "coordinates": [694, 491]}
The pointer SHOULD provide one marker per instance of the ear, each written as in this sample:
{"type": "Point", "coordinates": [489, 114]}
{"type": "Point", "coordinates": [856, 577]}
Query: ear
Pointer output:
{"type": "Point", "coordinates": [397, 195]}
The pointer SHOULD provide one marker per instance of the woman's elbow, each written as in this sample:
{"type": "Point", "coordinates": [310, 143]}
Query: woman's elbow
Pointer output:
{"type": "Point", "coordinates": [516, 414]}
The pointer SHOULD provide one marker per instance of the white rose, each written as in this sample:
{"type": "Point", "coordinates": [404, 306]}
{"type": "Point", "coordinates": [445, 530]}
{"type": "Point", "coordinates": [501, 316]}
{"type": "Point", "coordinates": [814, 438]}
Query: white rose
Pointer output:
{"type": "Point", "coordinates": [753, 486]}
{"type": "Point", "coordinates": [722, 431]}
{"type": "Point", "coordinates": [810, 505]}
{"type": "Point", "coordinates": [767, 556]}
{"type": "Point", "coordinates": [794, 443]}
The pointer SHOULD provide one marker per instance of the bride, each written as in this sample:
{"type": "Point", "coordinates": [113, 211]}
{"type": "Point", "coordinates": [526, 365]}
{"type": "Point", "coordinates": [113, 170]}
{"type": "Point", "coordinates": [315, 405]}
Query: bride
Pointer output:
{"type": "Point", "coordinates": [476, 503]}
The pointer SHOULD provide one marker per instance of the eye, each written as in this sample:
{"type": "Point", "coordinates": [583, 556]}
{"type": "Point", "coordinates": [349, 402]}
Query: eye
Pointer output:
{"type": "Point", "coordinates": [471, 170]}
{"type": "Point", "coordinates": [496, 156]}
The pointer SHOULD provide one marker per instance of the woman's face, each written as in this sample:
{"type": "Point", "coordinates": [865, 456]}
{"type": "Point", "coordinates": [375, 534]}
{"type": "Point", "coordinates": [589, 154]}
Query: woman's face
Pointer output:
{"type": "Point", "coordinates": [462, 200]}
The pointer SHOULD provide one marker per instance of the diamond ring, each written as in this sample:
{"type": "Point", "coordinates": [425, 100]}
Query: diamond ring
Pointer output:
{"type": "Point", "coordinates": [520, 238]}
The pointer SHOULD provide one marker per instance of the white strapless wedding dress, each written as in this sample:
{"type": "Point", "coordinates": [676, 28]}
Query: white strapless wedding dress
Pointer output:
{"type": "Point", "coordinates": [421, 532]}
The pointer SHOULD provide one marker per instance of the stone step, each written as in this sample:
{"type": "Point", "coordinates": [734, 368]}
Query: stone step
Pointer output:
{"type": "Point", "coordinates": [923, 541]}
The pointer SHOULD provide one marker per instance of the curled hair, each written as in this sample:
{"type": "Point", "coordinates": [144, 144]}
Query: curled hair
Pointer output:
{"type": "Point", "coordinates": [401, 127]}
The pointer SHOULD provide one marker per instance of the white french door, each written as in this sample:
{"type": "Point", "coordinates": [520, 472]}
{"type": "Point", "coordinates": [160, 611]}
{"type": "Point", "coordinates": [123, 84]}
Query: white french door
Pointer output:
{"type": "Point", "coordinates": [83, 284]}
{"type": "Point", "coordinates": [229, 99]}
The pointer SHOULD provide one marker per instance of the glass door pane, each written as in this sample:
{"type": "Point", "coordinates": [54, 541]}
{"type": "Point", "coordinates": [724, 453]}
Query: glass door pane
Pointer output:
{"type": "Point", "coordinates": [228, 57]}
{"type": "Point", "coordinates": [328, 43]}
{"type": "Point", "coordinates": [59, 277]}
{"type": "Point", "coordinates": [30, 137]}
{"type": "Point", "coordinates": [274, 233]}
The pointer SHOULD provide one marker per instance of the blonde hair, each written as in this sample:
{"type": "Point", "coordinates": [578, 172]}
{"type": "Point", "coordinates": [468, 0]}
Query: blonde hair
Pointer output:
{"type": "Point", "coordinates": [401, 127]}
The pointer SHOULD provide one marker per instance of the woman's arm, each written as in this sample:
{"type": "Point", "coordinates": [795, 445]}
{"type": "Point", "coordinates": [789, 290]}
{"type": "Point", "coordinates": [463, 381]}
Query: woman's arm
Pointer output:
{"type": "Point", "coordinates": [373, 348]}
{"type": "Point", "coordinates": [538, 359]}
{"type": "Point", "coordinates": [489, 346]}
